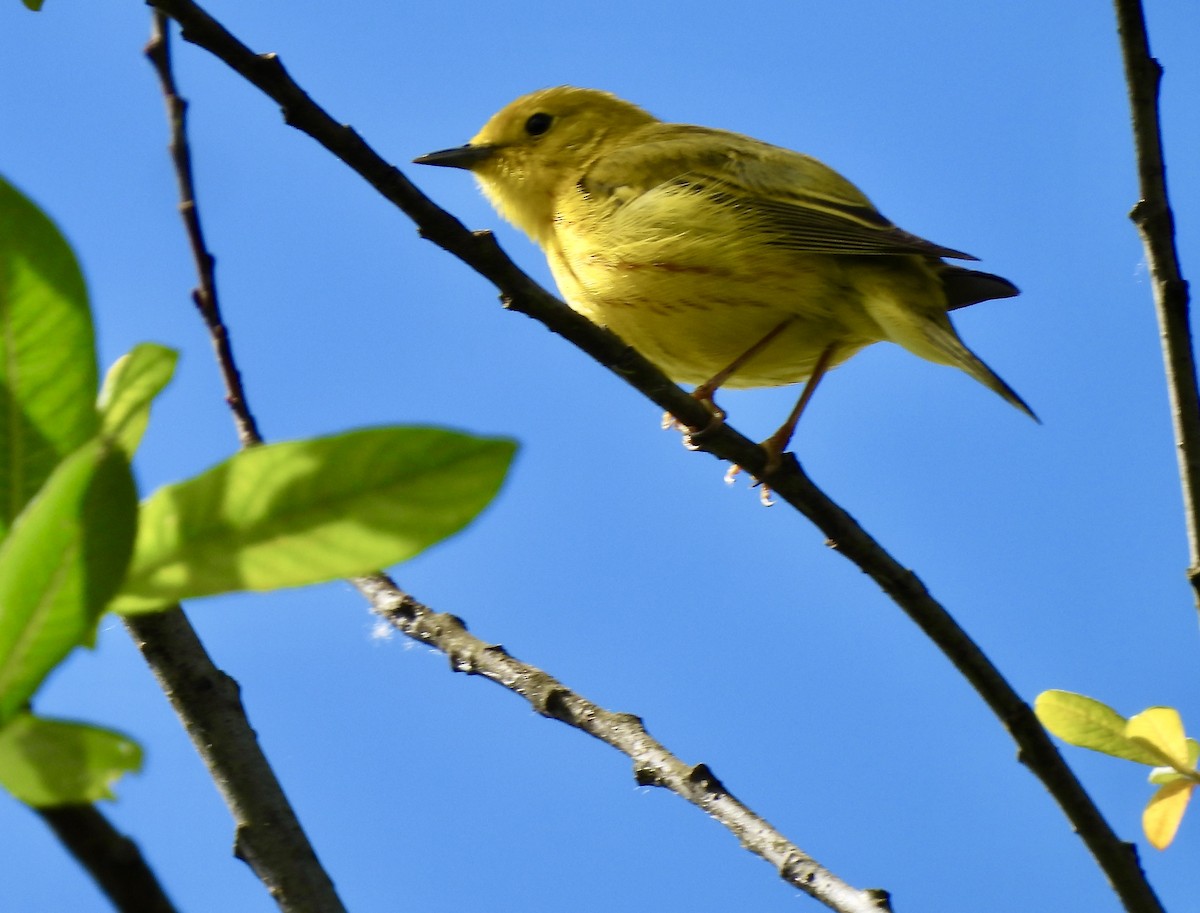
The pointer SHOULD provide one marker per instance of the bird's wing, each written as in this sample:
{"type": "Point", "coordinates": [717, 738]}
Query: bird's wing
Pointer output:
{"type": "Point", "coordinates": [798, 202]}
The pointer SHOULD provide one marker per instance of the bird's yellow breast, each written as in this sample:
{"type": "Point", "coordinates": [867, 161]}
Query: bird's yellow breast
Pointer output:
{"type": "Point", "coordinates": [684, 280]}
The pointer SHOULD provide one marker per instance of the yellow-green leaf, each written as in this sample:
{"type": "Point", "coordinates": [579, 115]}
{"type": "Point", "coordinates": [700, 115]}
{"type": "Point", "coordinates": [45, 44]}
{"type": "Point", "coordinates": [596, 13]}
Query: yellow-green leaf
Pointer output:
{"type": "Point", "coordinates": [1160, 730]}
{"type": "Point", "coordinates": [1088, 723]}
{"type": "Point", "coordinates": [1160, 776]}
{"type": "Point", "coordinates": [130, 387]}
{"type": "Point", "coordinates": [57, 762]}
{"type": "Point", "coordinates": [302, 512]}
{"type": "Point", "coordinates": [1162, 815]}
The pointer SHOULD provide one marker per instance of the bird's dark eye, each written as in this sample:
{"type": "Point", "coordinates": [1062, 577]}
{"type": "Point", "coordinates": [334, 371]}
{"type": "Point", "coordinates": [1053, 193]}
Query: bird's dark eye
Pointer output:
{"type": "Point", "coordinates": [538, 123]}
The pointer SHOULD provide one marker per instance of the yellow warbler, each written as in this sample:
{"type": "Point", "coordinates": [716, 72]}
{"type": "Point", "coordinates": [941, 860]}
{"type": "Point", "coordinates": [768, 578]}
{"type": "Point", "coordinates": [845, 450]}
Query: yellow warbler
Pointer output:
{"type": "Point", "coordinates": [724, 260]}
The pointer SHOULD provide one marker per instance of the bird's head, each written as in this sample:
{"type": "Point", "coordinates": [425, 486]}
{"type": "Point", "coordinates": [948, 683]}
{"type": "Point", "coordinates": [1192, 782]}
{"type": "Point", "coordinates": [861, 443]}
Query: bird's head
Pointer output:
{"type": "Point", "coordinates": [527, 150]}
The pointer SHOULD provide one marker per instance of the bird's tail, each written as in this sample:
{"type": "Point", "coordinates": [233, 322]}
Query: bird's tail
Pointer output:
{"type": "Point", "coordinates": [942, 345]}
{"type": "Point", "coordinates": [930, 335]}
{"type": "Point", "coordinates": [911, 310]}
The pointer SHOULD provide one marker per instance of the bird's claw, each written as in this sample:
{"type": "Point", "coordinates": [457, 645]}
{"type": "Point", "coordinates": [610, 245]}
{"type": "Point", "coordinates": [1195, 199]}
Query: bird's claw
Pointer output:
{"type": "Point", "coordinates": [690, 433]}
{"type": "Point", "coordinates": [764, 495]}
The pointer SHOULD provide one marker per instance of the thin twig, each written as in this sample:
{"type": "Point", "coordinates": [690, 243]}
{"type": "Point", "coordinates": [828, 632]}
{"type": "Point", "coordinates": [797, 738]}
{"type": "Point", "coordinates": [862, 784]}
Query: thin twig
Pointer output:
{"type": "Point", "coordinates": [480, 251]}
{"type": "Point", "coordinates": [653, 763]}
{"type": "Point", "coordinates": [204, 296]}
{"type": "Point", "coordinates": [269, 837]}
{"type": "Point", "coordinates": [1156, 224]}
{"type": "Point", "coordinates": [112, 859]}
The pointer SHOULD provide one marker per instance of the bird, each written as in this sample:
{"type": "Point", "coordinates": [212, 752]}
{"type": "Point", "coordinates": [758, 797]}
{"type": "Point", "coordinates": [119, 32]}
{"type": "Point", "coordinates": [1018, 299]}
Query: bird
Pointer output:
{"type": "Point", "coordinates": [724, 260]}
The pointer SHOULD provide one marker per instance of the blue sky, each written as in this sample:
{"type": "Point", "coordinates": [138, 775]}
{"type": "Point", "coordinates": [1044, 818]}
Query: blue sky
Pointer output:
{"type": "Point", "coordinates": [615, 559]}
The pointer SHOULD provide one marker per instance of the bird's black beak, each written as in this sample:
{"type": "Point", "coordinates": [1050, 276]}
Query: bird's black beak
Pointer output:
{"type": "Point", "coordinates": [462, 157]}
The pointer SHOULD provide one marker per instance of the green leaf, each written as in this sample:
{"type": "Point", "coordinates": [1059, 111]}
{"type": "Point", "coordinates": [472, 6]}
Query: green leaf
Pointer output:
{"type": "Point", "coordinates": [34, 5]}
{"type": "Point", "coordinates": [47, 358]}
{"type": "Point", "coordinates": [1086, 722]}
{"type": "Point", "coordinates": [303, 512]}
{"type": "Point", "coordinates": [63, 560]}
{"type": "Point", "coordinates": [58, 762]}
{"type": "Point", "coordinates": [130, 387]}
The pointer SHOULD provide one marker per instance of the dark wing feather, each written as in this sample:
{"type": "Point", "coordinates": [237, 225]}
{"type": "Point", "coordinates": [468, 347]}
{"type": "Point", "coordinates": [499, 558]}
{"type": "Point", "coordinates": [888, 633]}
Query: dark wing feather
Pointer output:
{"type": "Point", "coordinates": [969, 286]}
{"type": "Point", "coordinates": [820, 226]}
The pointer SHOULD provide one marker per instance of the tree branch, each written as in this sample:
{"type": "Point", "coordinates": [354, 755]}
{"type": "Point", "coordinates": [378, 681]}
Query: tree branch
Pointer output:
{"type": "Point", "coordinates": [112, 859]}
{"type": "Point", "coordinates": [269, 836]}
{"type": "Point", "coordinates": [204, 296]}
{"type": "Point", "coordinates": [480, 251]}
{"type": "Point", "coordinates": [653, 763]}
{"type": "Point", "coordinates": [1156, 224]}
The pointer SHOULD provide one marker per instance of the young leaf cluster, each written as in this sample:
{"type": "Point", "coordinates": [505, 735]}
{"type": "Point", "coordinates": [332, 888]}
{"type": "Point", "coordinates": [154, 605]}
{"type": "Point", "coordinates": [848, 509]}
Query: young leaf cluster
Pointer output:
{"type": "Point", "coordinates": [1154, 737]}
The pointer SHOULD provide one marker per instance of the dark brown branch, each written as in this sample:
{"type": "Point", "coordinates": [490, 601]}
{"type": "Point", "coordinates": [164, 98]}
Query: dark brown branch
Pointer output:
{"type": "Point", "coordinates": [269, 836]}
{"type": "Point", "coordinates": [480, 252]}
{"type": "Point", "coordinates": [1156, 224]}
{"type": "Point", "coordinates": [653, 764]}
{"type": "Point", "coordinates": [112, 859]}
{"type": "Point", "coordinates": [158, 50]}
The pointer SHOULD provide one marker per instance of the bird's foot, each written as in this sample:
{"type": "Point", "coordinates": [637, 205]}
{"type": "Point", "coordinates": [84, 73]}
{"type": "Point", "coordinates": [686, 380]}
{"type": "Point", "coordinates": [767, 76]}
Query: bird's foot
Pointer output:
{"type": "Point", "coordinates": [691, 434]}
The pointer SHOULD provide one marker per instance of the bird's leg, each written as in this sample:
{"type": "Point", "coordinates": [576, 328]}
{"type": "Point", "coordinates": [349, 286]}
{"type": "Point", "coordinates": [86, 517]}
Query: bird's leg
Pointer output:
{"type": "Point", "coordinates": [777, 442]}
{"type": "Point", "coordinates": [704, 393]}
